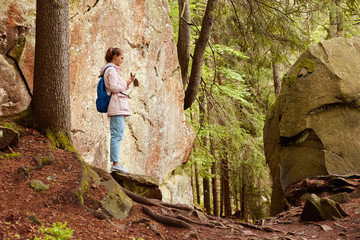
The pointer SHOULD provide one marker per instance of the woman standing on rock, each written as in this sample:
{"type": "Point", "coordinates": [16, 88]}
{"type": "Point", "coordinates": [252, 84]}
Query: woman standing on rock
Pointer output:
{"type": "Point", "coordinates": [118, 107]}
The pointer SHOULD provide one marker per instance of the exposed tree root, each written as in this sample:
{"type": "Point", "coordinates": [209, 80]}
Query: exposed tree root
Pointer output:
{"type": "Point", "coordinates": [39, 163]}
{"type": "Point", "coordinates": [185, 219]}
{"type": "Point", "coordinates": [139, 199]}
{"type": "Point", "coordinates": [170, 221]}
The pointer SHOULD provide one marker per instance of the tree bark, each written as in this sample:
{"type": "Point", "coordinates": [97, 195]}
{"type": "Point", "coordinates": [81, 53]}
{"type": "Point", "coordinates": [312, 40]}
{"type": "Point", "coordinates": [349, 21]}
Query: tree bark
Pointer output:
{"type": "Point", "coordinates": [225, 176]}
{"type": "Point", "coordinates": [215, 190]}
{"type": "Point", "coordinates": [214, 178]}
{"type": "Point", "coordinates": [183, 45]}
{"type": "Point", "coordinates": [198, 59]}
{"type": "Point", "coordinates": [206, 187]}
{"type": "Point", "coordinates": [197, 183]}
{"type": "Point", "coordinates": [242, 199]}
{"type": "Point", "coordinates": [51, 99]}
{"type": "Point", "coordinates": [276, 77]}
{"type": "Point", "coordinates": [221, 194]}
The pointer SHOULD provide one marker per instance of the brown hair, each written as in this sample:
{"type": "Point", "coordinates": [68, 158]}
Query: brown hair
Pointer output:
{"type": "Point", "coordinates": [111, 52]}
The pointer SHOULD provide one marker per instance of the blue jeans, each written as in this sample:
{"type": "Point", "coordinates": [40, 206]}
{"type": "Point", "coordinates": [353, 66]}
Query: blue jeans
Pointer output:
{"type": "Point", "coordinates": [117, 127]}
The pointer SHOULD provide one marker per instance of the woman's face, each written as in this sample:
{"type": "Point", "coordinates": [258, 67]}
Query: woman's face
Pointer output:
{"type": "Point", "coordinates": [118, 60]}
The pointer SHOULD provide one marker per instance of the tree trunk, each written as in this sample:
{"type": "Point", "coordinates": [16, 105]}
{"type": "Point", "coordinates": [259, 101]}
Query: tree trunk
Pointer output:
{"type": "Point", "coordinates": [276, 76]}
{"type": "Point", "coordinates": [183, 45]}
{"type": "Point", "coordinates": [197, 184]}
{"type": "Point", "coordinates": [51, 100]}
{"type": "Point", "coordinates": [221, 194]}
{"type": "Point", "coordinates": [336, 20]}
{"type": "Point", "coordinates": [214, 173]}
{"type": "Point", "coordinates": [243, 196]}
{"type": "Point", "coordinates": [225, 176]}
{"type": "Point", "coordinates": [198, 59]}
{"type": "Point", "coordinates": [207, 204]}
{"type": "Point", "coordinates": [215, 190]}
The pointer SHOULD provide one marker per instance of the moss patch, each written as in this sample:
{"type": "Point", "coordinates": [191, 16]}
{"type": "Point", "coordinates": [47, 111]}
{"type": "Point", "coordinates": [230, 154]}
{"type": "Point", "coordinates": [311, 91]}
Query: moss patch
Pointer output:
{"type": "Point", "coordinates": [9, 156]}
{"type": "Point", "coordinates": [306, 63]}
{"type": "Point", "coordinates": [59, 140]}
{"type": "Point", "coordinates": [38, 186]}
{"type": "Point", "coordinates": [18, 49]}
{"type": "Point", "coordinates": [25, 116]}
{"type": "Point", "coordinates": [289, 80]}
{"type": "Point", "coordinates": [271, 112]}
{"type": "Point", "coordinates": [12, 125]}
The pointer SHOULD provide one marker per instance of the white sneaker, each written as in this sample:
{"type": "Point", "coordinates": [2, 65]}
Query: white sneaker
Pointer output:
{"type": "Point", "coordinates": [118, 167]}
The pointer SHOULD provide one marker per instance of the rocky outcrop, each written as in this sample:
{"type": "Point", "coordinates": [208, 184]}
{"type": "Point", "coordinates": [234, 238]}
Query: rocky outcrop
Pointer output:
{"type": "Point", "coordinates": [157, 138]}
{"type": "Point", "coordinates": [313, 126]}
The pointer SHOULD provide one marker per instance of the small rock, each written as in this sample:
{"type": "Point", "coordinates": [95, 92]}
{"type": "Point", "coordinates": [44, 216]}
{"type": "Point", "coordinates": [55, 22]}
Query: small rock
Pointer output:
{"type": "Point", "coordinates": [340, 198]}
{"type": "Point", "coordinates": [38, 185]}
{"type": "Point", "coordinates": [52, 177]}
{"type": "Point", "coordinates": [121, 226]}
{"type": "Point", "coordinates": [326, 228]}
{"type": "Point", "coordinates": [356, 193]}
{"type": "Point", "coordinates": [35, 219]}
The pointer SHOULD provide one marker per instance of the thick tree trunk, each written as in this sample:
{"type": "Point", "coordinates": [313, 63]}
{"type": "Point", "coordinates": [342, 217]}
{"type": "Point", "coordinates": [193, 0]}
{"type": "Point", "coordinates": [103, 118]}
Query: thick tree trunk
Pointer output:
{"type": "Point", "coordinates": [183, 45]}
{"type": "Point", "coordinates": [51, 100]}
{"type": "Point", "coordinates": [225, 176]}
{"type": "Point", "coordinates": [198, 59]}
{"type": "Point", "coordinates": [276, 77]}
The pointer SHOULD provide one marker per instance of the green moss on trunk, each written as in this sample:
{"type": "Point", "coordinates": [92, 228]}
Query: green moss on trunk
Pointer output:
{"type": "Point", "coordinates": [60, 140]}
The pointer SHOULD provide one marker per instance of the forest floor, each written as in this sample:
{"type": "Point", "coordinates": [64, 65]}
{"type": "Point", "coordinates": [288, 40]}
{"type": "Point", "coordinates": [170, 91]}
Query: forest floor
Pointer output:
{"type": "Point", "coordinates": [18, 201]}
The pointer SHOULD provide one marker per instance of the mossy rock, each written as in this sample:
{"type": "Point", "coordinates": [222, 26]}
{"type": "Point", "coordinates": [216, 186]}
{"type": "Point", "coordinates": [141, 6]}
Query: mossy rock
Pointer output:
{"type": "Point", "coordinates": [39, 186]}
{"type": "Point", "coordinates": [8, 137]}
{"type": "Point", "coordinates": [116, 202]}
{"type": "Point", "coordinates": [321, 209]}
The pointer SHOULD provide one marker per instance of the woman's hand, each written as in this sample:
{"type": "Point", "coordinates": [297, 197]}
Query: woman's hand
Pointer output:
{"type": "Point", "coordinates": [130, 80]}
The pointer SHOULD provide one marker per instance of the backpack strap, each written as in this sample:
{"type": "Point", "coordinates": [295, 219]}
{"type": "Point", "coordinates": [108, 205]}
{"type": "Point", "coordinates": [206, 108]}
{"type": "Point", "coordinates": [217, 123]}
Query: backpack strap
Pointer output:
{"type": "Point", "coordinates": [104, 71]}
{"type": "Point", "coordinates": [104, 81]}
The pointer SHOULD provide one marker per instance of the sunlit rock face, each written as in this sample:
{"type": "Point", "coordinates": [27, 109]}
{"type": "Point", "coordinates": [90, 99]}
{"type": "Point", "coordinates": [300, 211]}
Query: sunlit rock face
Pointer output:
{"type": "Point", "coordinates": [313, 127]}
{"type": "Point", "coordinates": [157, 138]}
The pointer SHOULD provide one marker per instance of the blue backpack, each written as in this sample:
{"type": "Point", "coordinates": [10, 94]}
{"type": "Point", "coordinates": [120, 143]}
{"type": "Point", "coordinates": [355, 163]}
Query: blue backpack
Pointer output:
{"type": "Point", "coordinates": [102, 100]}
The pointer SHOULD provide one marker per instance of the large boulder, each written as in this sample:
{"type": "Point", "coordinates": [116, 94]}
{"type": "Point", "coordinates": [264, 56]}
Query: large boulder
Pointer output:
{"type": "Point", "coordinates": [313, 126]}
{"type": "Point", "coordinates": [157, 137]}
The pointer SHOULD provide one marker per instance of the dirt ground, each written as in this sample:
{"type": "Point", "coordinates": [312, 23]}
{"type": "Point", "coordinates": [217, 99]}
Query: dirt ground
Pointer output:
{"type": "Point", "coordinates": [18, 201]}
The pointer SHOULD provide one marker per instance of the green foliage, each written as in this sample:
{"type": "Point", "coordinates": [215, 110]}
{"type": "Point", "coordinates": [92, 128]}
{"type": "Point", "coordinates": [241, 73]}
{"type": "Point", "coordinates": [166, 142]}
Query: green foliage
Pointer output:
{"type": "Point", "coordinates": [59, 231]}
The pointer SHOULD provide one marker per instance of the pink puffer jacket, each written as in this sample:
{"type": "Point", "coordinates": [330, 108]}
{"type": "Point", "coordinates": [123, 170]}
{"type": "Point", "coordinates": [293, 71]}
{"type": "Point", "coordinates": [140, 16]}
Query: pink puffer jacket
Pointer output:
{"type": "Point", "coordinates": [119, 104]}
